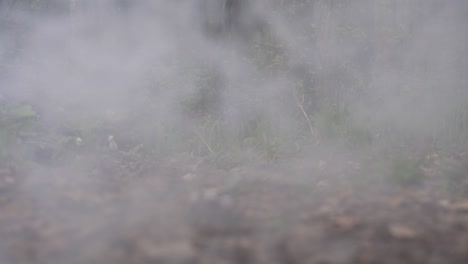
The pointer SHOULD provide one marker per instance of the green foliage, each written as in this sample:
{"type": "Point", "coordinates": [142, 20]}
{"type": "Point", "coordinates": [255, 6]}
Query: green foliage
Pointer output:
{"type": "Point", "coordinates": [321, 106]}
{"type": "Point", "coordinates": [209, 138]}
{"type": "Point", "coordinates": [331, 121]}
{"type": "Point", "coordinates": [457, 178]}
{"type": "Point", "coordinates": [16, 123]}
{"type": "Point", "coordinates": [265, 141]}
{"type": "Point", "coordinates": [406, 171]}
{"type": "Point", "coordinates": [460, 121]}
{"type": "Point", "coordinates": [358, 136]}
{"type": "Point", "coordinates": [269, 55]}
{"type": "Point", "coordinates": [336, 123]}
{"type": "Point", "coordinates": [206, 101]}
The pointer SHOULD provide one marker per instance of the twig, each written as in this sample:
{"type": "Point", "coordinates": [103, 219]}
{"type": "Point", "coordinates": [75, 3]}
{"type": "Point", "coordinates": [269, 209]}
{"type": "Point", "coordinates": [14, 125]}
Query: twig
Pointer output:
{"type": "Point", "coordinates": [204, 142]}
{"type": "Point", "coordinates": [300, 103]}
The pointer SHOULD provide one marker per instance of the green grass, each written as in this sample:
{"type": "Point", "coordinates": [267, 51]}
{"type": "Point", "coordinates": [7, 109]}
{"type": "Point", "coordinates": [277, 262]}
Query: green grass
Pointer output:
{"type": "Point", "coordinates": [406, 171]}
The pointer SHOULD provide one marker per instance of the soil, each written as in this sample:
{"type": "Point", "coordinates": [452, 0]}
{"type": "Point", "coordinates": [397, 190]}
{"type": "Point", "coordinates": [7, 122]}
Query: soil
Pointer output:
{"type": "Point", "coordinates": [325, 208]}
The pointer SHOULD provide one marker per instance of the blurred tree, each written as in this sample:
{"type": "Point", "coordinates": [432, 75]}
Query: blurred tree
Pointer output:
{"type": "Point", "coordinates": [234, 19]}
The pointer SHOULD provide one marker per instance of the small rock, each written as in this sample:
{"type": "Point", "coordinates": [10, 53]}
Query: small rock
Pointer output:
{"type": "Point", "coordinates": [112, 143]}
{"type": "Point", "coordinates": [308, 244]}
{"type": "Point", "coordinates": [444, 203]}
{"type": "Point", "coordinates": [189, 177]}
{"type": "Point", "coordinates": [78, 141]}
{"type": "Point", "coordinates": [325, 210]}
{"type": "Point", "coordinates": [216, 217]}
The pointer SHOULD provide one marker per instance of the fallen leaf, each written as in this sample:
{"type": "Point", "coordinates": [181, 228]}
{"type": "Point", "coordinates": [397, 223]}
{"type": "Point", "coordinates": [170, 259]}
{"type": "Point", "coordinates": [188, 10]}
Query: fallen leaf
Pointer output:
{"type": "Point", "coordinates": [345, 222]}
{"type": "Point", "coordinates": [444, 203]}
{"type": "Point", "coordinates": [402, 232]}
{"type": "Point", "coordinates": [461, 206]}
{"type": "Point", "coordinates": [324, 210]}
{"type": "Point", "coordinates": [396, 201]}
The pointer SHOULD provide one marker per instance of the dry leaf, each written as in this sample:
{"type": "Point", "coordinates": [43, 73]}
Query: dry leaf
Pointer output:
{"type": "Point", "coordinates": [396, 201]}
{"type": "Point", "coordinates": [324, 210]}
{"type": "Point", "coordinates": [444, 203]}
{"type": "Point", "coordinates": [402, 231]}
{"type": "Point", "coordinates": [461, 206]}
{"type": "Point", "coordinates": [345, 222]}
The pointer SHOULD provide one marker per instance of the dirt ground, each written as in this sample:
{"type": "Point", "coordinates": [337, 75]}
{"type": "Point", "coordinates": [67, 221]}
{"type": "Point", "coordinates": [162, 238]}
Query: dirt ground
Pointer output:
{"type": "Point", "coordinates": [325, 208]}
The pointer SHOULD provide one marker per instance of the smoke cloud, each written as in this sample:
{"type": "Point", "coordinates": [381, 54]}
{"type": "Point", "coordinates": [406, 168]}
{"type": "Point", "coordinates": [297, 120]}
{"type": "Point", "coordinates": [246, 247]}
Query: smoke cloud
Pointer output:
{"type": "Point", "coordinates": [163, 73]}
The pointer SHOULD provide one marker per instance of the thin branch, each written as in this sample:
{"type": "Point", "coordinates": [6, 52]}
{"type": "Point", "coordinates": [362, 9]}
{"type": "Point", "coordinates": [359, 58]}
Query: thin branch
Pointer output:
{"type": "Point", "coordinates": [300, 103]}
{"type": "Point", "coordinates": [204, 142]}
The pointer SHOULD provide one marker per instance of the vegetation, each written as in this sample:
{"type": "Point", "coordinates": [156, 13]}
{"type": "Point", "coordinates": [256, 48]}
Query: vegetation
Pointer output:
{"type": "Point", "coordinates": [320, 103]}
{"type": "Point", "coordinates": [214, 131]}
{"type": "Point", "coordinates": [407, 171]}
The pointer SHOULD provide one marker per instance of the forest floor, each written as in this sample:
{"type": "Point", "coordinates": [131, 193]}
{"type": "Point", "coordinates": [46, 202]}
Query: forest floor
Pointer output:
{"type": "Point", "coordinates": [329, 207]}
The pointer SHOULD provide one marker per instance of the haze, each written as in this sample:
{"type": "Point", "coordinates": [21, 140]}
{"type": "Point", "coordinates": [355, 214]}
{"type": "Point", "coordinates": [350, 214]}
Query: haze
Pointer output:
{"type": "Point", "coordinates": [305, 100]}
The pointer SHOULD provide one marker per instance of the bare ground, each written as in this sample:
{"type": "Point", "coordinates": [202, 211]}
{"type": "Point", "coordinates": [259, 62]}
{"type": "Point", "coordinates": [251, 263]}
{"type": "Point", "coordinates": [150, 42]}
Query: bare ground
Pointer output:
{"type": "Point", "coordinates": [327, 208]}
